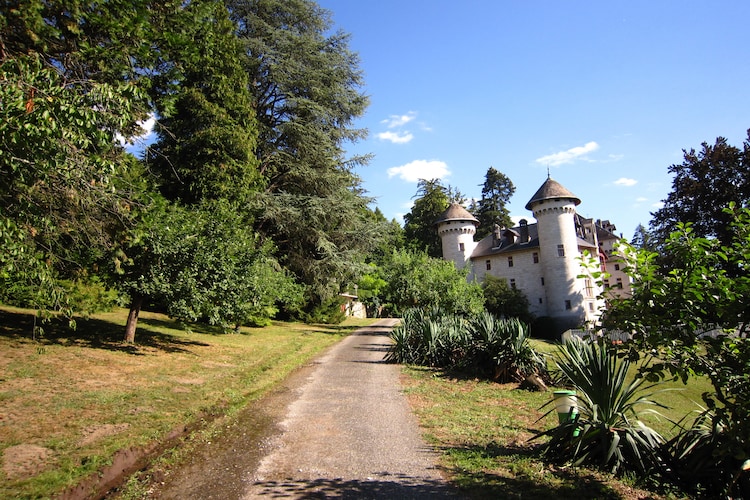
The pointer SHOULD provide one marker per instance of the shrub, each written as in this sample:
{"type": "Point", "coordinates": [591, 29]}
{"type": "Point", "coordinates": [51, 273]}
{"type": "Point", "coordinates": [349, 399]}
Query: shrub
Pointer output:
{"type": "Point", "coordinates": [501, 347]}
{"type": "Point", "coordinates": [606, 432]}
{"type": "Point", "coordinates": [483, 345]}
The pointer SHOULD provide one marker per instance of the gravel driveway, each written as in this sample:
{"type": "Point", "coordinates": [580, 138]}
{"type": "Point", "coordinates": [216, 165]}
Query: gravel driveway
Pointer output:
{"type": "Point", "coordinates": [341, 428]}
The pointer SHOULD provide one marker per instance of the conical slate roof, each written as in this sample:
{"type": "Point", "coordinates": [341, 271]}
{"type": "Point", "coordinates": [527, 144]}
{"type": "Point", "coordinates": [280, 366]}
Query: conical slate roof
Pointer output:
{"type": "Point", "coordinates": [456, 212]}
{"type": "Point", "coordinates": [549, 190]}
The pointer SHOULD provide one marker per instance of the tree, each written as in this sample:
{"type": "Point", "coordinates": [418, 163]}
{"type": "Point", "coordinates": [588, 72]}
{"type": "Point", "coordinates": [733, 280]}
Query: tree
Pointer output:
{"type": "Point", "coordinates": [643, 238]}
{"type": "Point", "coordinates": [59, 160]}
{"type": "Point", "coordinates": [504, 301]}
{"type": "Point", "coordinates": [202, 263]}
{"type": "Point", "coordinates": [432, 199]}
{"type": "Point", "coordinates": [693, 319]}
{"type": "Point", "coordinates": [491, 210]}
{"type": "Point", "coordinates": [207, 131]}
{"type": "Point", "coordinates": [306, 85]}
{"type": "Point", "coordinates": [415, 279]}
{"type": "Point", "coordinates": [704, 184]}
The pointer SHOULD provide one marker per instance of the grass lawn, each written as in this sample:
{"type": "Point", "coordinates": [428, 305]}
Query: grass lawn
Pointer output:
{"type": "Point", "coordinates": [70, 400]}
{"type": "Point", "coordinates": [483, 429]}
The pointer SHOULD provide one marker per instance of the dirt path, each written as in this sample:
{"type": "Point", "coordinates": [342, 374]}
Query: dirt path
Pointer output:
{"type": "Point", "coordinates": [340, 428]}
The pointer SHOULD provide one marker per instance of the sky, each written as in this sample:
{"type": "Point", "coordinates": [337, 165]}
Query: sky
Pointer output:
{"type": "Point", "coordinates": [603, 94]}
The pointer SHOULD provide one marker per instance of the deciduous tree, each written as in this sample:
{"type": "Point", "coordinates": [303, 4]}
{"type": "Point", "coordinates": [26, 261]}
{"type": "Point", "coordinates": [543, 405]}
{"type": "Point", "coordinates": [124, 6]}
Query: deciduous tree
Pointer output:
{"type": "Point", "coordinates": [703, 186]}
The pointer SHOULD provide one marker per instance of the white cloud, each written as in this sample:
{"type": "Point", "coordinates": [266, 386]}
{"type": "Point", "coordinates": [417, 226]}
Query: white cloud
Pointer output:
{"type": "Point", "coordinates": [624, 181]}
{"type": "Point", "coordinates": [658, 205]}
{"type": "Point", "coordinates": [396, 137]}
{"type": "Point", "coordinates": [147, 128]}
{"type": "Point", "coordinates": [394, 121]}
{"type": "Point", "coordinates": [420, 169]}
{"type": "Point", "coordinates": [641, 199]}
{"type": "Point", "coordinates": [568, 156]}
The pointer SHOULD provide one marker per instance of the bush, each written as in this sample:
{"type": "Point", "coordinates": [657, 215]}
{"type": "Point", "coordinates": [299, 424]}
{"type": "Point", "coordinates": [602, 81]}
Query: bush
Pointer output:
{"type": "Point", "coordinates": [606, 433]}
{"type": "Point", "coordinates": [504, 301]}
{"type": "Point", "coordinates": [482, 345]}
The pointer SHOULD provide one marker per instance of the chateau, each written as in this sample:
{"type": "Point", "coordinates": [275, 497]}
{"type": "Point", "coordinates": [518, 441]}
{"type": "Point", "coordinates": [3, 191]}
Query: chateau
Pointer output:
{"type": "Point", "coordinates": [542, 259]}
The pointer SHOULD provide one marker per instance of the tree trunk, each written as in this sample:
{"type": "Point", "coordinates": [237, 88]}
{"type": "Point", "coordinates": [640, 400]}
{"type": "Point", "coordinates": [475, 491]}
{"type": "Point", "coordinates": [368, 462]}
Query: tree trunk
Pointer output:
{"type": "Point", "coordinates": [135, 309]}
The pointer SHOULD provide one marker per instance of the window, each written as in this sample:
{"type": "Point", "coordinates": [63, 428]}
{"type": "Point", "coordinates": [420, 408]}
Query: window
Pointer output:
{"type": "Point", "coordinates": [513, 283]}
{"type": "Point", "coordinates": [462, 246]}
{"type": "Point", "coordinates": [568, 305]}
{"type": "Point", "coordinates": [606, 283]}
{"type": "Point", "coordinates": [617, 267]}
{"type": "Point", "coordinates": [535, 256]}
{"type": "Point", "coordinates": [510, 261]}
{"type": "Point", "coordinates": [542, 280]}
{"type": "Point", "coordinates": [619, 283]}
{"type": "Point", "coordinates": [560, 250]}
{"type": "Point", "coordinates": [488, 265]}
{"type": "Point", "coordinates": [591, 306]}
{"type": "Point", "coordinates": [589, 288]}
{"type": "Point", "coordinates": [540, 300]}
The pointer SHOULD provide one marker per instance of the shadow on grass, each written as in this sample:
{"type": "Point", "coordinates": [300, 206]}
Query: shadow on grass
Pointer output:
{"type": "Point", "coordinates": [96, 333]}
{"type": "Point", "coordinates": [527, 476]}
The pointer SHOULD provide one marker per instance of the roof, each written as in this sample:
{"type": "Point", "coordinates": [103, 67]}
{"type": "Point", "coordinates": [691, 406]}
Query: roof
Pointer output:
{"type": "Point", "coordinates": [551, 189]}
{"type": "Point", "coordinates": [457, 212]}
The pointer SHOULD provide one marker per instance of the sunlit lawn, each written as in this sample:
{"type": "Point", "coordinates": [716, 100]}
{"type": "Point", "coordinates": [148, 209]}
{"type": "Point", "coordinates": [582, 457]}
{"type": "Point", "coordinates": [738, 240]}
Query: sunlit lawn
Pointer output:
{"type": "Point", "coordinates": [70, 400]}
{"type": "Point", "coordinates": [483, 430]}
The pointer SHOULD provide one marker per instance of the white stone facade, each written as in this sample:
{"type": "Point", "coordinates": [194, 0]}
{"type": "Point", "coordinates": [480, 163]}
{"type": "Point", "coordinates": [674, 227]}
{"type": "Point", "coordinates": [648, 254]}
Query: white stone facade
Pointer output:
{"type": "Point", "coordinates": [543, 259]}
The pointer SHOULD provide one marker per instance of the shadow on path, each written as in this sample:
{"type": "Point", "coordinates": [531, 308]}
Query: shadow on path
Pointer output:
{"type": "Point", "coordinates": [397, 487]}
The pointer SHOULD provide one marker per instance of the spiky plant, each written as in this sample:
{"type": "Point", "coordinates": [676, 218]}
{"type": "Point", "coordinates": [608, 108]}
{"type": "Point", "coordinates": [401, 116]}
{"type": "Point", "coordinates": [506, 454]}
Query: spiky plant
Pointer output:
{"type": "Point", "coordinates": [607, 432]}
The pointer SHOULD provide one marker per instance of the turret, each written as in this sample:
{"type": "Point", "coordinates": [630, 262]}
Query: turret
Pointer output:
{"type": "Point", "coordinates": [553, 207]}
{"type": "Point", "coordinates": [456, 227]}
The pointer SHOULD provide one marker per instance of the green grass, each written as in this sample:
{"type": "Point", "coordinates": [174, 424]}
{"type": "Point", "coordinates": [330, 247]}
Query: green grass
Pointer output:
{"type": "Point", "coordinates": [83, 395]}
{"type": "Point", "coordinates": [483, 429]}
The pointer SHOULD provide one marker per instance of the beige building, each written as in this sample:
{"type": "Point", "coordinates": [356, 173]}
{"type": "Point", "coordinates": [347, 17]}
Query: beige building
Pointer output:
{"type": "Point", "coordinates": [541, 259]}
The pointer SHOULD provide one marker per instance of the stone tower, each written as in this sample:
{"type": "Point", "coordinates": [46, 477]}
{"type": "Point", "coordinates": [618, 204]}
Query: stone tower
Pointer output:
{"type": "Point", "coordinates": [554, 208]}
{"type": "Point", "coordinates": [456, 228]}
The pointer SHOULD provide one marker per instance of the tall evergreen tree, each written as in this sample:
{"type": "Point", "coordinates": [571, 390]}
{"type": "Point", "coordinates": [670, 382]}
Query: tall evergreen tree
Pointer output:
{"type": "Point", "coordinates": [307, 87]}
{"type": "Point", "coordinates": [491, 210]}
{"type": "Point", "coordinates": [207, 131]}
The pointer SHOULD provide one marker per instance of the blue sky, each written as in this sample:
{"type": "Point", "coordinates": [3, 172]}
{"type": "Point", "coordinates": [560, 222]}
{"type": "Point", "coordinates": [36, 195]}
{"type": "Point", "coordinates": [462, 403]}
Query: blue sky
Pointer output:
{"type": "Point", "coordinates": [606, 94]}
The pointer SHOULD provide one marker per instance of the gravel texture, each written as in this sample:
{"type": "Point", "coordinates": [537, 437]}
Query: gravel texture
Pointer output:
{"type": "Point", "coordinates": [339, 428]}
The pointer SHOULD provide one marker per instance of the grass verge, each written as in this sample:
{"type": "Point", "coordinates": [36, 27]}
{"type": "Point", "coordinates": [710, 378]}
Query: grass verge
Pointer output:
{"type": "Point", "coordinates": [482, 430]}
{"type": "Point", "coordinates": [72, 399]}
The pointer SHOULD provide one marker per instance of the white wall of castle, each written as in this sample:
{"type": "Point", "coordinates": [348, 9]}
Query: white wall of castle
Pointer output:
{"type": "Point", "coordinates": [457, 239]}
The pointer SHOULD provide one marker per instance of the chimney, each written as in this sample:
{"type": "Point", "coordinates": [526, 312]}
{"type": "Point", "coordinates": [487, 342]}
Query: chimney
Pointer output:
{"type": "Point", "coordinates": [496, 238]}
{"type": "Point", "coordinates": [524, 224]}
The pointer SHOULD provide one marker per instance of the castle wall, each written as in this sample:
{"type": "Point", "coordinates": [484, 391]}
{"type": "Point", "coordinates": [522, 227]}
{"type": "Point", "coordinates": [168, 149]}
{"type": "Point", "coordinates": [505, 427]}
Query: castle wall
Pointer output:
{"type": "Point", "coordinates": [457, 241]}
{"type": "Point", "coordinates": [558, 247]}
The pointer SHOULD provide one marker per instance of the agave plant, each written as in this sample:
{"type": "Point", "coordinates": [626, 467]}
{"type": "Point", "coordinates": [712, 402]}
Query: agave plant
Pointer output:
{"type": "Point", "coordinates": [501, 347]}
{"type": "Point", "coordinates": [700, 464]}
{"type": "Point", "coordinates": [606, 432]}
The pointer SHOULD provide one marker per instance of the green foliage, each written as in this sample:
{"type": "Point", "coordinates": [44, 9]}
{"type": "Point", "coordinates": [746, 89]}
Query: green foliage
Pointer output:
{"type": "Point", "coordinates": [501, 349]}
{"type": "Point", "coordinates": [306, 84]}
{"type": "Point", "coordinates": [606, 432]}
{"type": "Point", "coordinates": [482, 345]}
{"type": "Point", "coordinates": [416, 280]}
{"type": "Point", "coordinates": [504, 301]}
{"type": "Point", "coordinates": [207, 132]}
{"type": "Point", "coordinates": [330, 311]}
{"type": "Point", "coordinates": [692, 318]}
{"type": "Point", "coordinates": [420, 233]}
{"type": "Point", "coordinates": [491, 210]}
{"type": "Point", "coordinates": [704, 184]}
{"type": "Point", "coordinates": [205, 263]}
